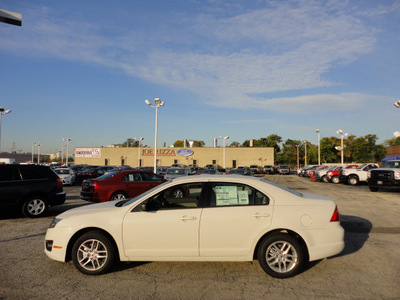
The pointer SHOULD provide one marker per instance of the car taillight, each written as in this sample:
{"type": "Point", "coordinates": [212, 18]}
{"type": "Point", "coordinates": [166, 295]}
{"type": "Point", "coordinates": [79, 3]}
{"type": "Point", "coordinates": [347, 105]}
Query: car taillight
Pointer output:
{"type": "Point", "coordinates": [335, 216]}
{"type": "Point", "coordinates": [59, 184]}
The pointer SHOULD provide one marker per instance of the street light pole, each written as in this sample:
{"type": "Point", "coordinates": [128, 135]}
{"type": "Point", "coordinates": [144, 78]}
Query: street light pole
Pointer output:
{"type": "Point", "coordinates": [62, 151]}
{"type": "Point", "coordinates": [224, 138]}
{"type": "Point", "coordinates": [138, 156]}
{"type": "Point", "coordinates": [158, 103]}
{"type": "Point", "coordinates": [305, 152]}
{"type": "Point", "coordinates": [66, 158]}
{"type": "Point", "coordinates": [298, 159]}
{"type": "Point", "coordinates": [33, 144]}
{"type": "Point", "coordinates": [341, 132]}
{"type": "Point", "coordinates": [319, 147]}
{"type": "Point", "coordinates": [38, 156]}
{"type": "Point", "coordinates": [3, 112]}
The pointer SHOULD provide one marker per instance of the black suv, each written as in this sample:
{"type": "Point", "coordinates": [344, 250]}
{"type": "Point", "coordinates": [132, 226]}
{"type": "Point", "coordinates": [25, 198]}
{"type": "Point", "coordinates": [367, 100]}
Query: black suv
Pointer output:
{"type": "Point", "coordinates": [31, 189]}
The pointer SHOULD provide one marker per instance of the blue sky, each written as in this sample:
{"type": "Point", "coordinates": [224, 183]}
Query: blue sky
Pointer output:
{"type": "Point", "coordinates": [247, 69]}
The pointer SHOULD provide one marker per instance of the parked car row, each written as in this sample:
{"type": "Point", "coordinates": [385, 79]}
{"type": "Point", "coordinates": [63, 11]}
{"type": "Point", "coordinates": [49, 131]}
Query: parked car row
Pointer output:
{"type": "Point", "coordinates": [387, 176]}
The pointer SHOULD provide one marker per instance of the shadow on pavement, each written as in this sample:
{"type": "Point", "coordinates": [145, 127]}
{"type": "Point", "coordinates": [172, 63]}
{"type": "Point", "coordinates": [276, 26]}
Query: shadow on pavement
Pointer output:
{"type": "Point", "coordinates": [357, 232]}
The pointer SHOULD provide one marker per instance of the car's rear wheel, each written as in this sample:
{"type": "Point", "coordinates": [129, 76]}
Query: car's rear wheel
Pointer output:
{"type": "Point", "coordinates": [93, 253]}
{"type": "Point", "coordinates": [118, 196]}
{"type": "Point", "coordinates": [34, 207]}
{"type": "Point", "coordinates": [281, 255]}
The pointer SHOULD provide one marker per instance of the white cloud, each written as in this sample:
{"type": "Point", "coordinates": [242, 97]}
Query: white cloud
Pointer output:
{"type": "Point", "coordinates": [285, 46]}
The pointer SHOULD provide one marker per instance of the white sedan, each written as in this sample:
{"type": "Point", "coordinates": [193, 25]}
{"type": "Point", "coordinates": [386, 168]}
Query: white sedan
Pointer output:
{"type": "Point", "coordinates": [67, 175]}
{"type": "Point", "coordinates": [215, 218]}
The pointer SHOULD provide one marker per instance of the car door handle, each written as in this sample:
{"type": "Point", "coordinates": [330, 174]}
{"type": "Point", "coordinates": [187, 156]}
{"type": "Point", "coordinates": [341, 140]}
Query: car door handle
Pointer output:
{"type": "Point", "coordinates": [187, 218]}
{"type": "Point", "coordinates": [260, 215]}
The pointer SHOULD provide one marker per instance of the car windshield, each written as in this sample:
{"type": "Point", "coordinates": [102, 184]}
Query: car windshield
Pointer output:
{"type": "Point", "coordinates": [391, 164]}
{"type": "Point", "coordinates": [62, 171]}
{"type": "Point", "coordinates": [143, 195]}
{"type": "Point", "coordinates": [362, 166]}
{"type": "Point", "coordinates": [176, 172]}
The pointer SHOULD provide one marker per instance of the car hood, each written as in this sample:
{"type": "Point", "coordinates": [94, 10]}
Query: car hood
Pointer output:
{"type": "Point", "coordinates": [91, 209]}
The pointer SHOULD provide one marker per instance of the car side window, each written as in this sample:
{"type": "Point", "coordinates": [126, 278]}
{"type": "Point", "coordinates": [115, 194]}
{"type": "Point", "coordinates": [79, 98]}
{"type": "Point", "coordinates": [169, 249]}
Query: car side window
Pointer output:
{"type": "Point", "coordinates": [150, 177]}
{"type": "Point", "coordinates": [234, 194]}
{"type": "Point", "coordinates": [9, 173]}
{"type": "Point", "coordinates": [177, 197]}
{"type": "Point", "coordinates": [28, 173]}
{"type": "Point", "coordinates": [132, 177]}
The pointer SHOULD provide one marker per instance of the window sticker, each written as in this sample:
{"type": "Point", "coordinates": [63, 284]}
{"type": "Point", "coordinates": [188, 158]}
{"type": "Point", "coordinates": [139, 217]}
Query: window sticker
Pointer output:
{"type": "Point", "coordinates": [243, 197]}
{"type": "Point", "coordinates": [226, 195]}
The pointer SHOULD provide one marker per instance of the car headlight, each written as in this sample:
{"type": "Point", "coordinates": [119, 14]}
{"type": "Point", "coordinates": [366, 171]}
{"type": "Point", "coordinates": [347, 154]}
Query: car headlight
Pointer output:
{"type": "Point", "coordinates": [54, 222]}
{"type": "Point", "coordinates": [397, 175]}
{"type": "Point", "coordinates": [369, 174]}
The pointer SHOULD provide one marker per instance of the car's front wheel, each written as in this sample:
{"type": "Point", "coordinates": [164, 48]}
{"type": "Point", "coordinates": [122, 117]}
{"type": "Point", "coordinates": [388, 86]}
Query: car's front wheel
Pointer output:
{"type": "Point", "coordinates": [93, 253]}
{"type": "Point", "coordinates": [325, 179]}
{"type": "Point", "coordinates": [281, 255]}
{"type": "Point", "coordinates": [353, 180]}
{"type": "Point", "coordinates": [34, 207]}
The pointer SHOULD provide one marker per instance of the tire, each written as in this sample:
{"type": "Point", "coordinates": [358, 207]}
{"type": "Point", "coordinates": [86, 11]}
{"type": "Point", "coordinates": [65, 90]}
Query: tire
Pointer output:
{"type": "Point", "coordinates": [93, 253]}
{"type": "Point", "coordinates": [352, 180]}
{"type": "Point", "coordinates": [335, 179]}
{"type": "Point", "coordinates": [34, 207]}
{"type": "Point", "coordinates": [373, 189]}
{"type": "Point", "coordinates": [325, 179]}
{"type": "Point", "coordinates": [281, 255]}
{"type": "Point", "coordinates": [118, 196]}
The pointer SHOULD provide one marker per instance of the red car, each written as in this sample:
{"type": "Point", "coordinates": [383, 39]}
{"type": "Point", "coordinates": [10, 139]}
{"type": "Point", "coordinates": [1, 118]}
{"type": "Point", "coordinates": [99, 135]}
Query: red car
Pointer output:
{"type": "Point", "coordinates": [333, 176]}
{"type": "Point", "coordinates": [118, 185]}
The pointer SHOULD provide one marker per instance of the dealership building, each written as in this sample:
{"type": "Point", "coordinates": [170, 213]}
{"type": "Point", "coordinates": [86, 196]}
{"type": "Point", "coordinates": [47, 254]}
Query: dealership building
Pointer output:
{"type": "Point", "coordinates": [167, 156]}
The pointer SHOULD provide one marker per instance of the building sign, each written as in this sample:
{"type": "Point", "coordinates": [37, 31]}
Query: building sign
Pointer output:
{"type": "Point", "coordinates": [185, 152]}
{"type": "Point", "coordinates": [88, 152]}
{"type": "Point", "coordinates": [160, 152]}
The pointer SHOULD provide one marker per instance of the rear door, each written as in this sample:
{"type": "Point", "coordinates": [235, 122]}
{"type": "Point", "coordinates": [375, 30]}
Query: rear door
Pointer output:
{"type": "Point", "coordinates": [233, 218]}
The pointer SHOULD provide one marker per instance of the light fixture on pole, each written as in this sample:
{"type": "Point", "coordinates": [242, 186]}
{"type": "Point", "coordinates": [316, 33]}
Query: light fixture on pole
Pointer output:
{"type": "Point", "coordinates": [66, 158]}
{"type": "Point", "coordinates": [396, 134]}
{"type": "Point", "coordinates": [305, 153]}
{"type": "Point", "coordinates": [397, 104]}
{"type": "Point", "coordinates": [158, 103]}
{"type": "Point", "coordinates": [138, 156]}
{"type": "Point", "coordinates": [224, 138]}
{"type": "Point", "coordinates": [38, 155]}
{"type": "Point", "coordinates": [341, 148]}
{"type": "Point", "coordinates": [3, 112]}
{"type": "Point", "coordinates": [33, 144]}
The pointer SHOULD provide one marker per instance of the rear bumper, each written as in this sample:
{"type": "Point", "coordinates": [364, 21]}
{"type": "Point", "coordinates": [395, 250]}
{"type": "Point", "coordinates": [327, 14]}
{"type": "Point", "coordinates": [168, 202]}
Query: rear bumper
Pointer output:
{"type": "Point", "coordinates": [89, 196]}
{"type": "Point", "coordinates": [58, 199]}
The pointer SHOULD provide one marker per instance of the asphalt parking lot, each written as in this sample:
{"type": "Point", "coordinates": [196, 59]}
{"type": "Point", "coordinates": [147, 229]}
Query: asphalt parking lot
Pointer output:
{"type": "Point", "coordinates": [368, 268]}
